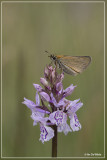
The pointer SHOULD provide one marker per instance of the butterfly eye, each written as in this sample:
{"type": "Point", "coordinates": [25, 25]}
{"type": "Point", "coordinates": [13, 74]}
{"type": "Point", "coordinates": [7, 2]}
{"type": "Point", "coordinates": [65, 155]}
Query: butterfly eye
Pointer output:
{"type": "Point", "coordinates": [54, 58]}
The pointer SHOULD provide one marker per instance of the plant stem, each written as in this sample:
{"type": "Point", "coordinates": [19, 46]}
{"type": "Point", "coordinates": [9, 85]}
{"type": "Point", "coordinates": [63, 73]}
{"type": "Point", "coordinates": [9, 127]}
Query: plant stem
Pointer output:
{"type": "Point", "coordinates": [54, 142]}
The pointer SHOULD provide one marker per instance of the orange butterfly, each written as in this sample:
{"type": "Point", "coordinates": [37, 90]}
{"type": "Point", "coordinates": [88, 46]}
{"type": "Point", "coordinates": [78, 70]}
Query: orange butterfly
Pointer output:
{"type": "Point", "coordinates": [72, 65]}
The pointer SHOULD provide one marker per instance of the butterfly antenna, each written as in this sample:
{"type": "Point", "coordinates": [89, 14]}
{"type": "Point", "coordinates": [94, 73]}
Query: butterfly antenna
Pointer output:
{"type": "Point", "coordinates": [48, 53]}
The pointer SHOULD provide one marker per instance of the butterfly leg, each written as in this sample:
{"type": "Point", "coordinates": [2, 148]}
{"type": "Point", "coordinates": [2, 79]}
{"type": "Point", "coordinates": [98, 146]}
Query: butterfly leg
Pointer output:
{"type": "Point", "coordinates": [60, 67]}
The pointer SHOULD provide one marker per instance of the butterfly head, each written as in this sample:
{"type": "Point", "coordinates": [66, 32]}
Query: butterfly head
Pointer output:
{"type": "Point", "coordinates": [52, 57]}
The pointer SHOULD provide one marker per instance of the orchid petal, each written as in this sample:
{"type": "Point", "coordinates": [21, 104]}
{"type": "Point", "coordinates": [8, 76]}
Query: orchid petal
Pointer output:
{"type": "Point", "coordinates": [68, 90]}
{"type": "Point", "coordinates": [30, 104]}
{"type": "Point", "coordinates": [45, 96]}
{"type": "Point", "coordinates": [74, 123]}
{"type": "Point", "coordinates": [47, 133]}
{"type": "Point", "coordinates": [38, 87]}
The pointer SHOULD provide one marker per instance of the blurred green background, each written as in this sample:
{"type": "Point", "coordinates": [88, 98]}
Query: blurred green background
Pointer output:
{"type": "Point", "coordinates": [28, 29]}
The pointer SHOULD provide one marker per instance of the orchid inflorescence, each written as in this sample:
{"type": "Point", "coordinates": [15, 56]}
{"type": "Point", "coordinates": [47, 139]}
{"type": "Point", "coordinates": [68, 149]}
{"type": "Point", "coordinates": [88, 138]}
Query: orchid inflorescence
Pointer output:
{"type": "Point", "coordinates": [51, 107]}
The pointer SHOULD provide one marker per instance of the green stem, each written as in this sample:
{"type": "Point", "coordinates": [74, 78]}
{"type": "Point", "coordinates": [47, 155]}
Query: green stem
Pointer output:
{"type": "Point", "coordinates": [54, 142]}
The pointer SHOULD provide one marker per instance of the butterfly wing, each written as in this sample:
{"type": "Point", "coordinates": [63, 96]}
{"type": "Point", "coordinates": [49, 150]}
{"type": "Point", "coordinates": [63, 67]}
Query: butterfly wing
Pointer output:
{"type": "Point", "coordinates": [74, 64]}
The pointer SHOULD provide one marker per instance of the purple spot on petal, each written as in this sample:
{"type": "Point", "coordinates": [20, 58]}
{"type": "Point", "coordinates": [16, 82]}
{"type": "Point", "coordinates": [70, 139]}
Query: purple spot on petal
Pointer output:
{"type": "Point", "coordinates": [58, 117]}
{"type": "Point", "coordinates": [44, 132]}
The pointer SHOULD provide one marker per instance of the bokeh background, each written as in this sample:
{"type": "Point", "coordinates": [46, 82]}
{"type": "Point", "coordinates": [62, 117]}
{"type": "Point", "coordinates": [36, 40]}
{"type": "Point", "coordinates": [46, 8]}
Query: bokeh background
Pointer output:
{"type": "Point", "coordinates": [28, 29]}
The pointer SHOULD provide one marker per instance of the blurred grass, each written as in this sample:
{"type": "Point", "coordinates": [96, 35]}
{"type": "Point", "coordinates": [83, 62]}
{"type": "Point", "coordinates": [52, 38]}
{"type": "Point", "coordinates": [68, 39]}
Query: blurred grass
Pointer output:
{"type": "Point", "coordinates": [61, 28]}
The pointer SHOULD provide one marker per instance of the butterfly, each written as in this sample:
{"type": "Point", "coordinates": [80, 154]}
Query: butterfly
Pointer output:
{"type": "Point", "coordinates": [72, 65]}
